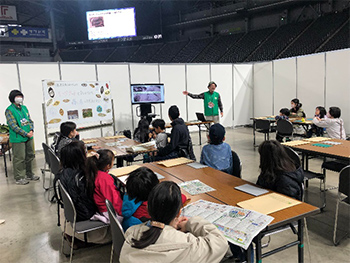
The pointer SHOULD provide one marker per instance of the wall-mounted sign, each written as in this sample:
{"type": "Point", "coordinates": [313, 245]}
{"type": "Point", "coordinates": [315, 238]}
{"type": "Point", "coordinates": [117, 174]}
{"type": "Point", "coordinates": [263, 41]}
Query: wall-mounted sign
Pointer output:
{"type": "Point", "coordinates": [8, 12]}
{"type": "Point", "coordinates": [28, 32]}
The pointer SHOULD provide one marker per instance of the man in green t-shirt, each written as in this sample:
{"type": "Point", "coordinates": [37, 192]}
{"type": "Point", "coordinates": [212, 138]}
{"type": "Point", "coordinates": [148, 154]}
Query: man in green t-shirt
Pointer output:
{"type": "Point", "coordinates": [212, 102]}
{"type": "Point", "coordinates": [21, 138]}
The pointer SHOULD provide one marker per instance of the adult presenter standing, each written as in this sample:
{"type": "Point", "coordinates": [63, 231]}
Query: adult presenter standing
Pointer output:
{"type": "Point", "coordinates": [212, 102]}
{"type": "Point", "coordinates": [21, 136]}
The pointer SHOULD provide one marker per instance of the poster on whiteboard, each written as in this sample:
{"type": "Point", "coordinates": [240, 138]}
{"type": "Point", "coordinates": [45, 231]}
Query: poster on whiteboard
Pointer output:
{"type": "Point", "coordinates": [86, 103]}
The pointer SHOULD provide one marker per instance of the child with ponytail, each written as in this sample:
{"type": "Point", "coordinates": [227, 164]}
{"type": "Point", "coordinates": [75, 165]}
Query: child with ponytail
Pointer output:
{"type": "Point", "coordinates": [102, 185]}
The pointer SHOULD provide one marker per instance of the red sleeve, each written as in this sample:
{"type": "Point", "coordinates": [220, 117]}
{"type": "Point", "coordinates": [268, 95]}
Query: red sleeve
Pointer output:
{"type": "Point", "coordinates": [142, 211]}
{"type": "Point", "coordinates": [183, 198]}
{"type": "Point", "coordinates": [111, 193]}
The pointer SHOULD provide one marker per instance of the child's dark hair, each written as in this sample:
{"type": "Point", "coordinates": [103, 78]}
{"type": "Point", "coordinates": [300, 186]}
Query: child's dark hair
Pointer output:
{"type": "Point", "coordinates": [67, 127]}
{"type": "Point", "coordinates": [142, 130]}
{"type": "Point", "coordinates": [274, 160]}
{"type": "Point", "coordinates": [164, 203]}
{"type": "Point", "coordinates": [94, 164]}
{"type": "Point", "coordinates": [174, 112]}
{"type": "Point", "coordinates": [322, 110]}
{"type": "Point", "coordinates": [73, 155]}
{"type": "Point", "coordinates": [159, 123]}
{"type": "Point", "coordinates": [285, 111]}
{"type": "Point", "coordinates": [140, 183]}
{"type": "Point", "coordinates": [335, 112]}
{"type": "Point", "coordinates": [297, 105]}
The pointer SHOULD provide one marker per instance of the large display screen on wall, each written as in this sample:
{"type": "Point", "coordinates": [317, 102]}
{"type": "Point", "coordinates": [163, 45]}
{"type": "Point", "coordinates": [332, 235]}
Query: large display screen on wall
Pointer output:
{"type": "Point", "coordinates": [147, 93]}
{"type": "Point", "coordinates": [111, 23]}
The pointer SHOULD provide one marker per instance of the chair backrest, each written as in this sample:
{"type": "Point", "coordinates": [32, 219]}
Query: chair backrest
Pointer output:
{"type": "Point", "coordinates": [294, 156]}
{"type": "Point", "coordinates": [46, 153]}
{"type": "Point", "coordinates": [118, 237]}
{"type": "Point", "coordinates": [237, 165]}
{"type": "Point", "coordinates": [344, 181]}
{"type": "Point", "coordinates": [54, 162]}
{"type": "Point", "coordinates": [284, 127]}
{"type": "Point", "coordinates": [68, 206]}
{"type": "Point", "coordinates": [262, 124]}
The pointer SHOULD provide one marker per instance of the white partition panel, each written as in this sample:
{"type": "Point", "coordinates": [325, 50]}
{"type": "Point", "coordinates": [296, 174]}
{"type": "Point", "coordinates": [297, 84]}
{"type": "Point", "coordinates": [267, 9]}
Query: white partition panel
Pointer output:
{"type": "Point", "coordinates": [144, 73]}
{"type": "Point", "coordinates": [243, 94]}
{"type": "Point", "coordinates": [198, 77]}
{"type": "Point", "coordinates": [338, 83]}
{"type": "Point", "coordinates": [284, 88]}
{"type": "Point", "coordinates": [310, 83]}
{"type": "Point", "coordinates": [118, 75]}
{"type": "Point", "coordinates": [80, 71]}
{"type": "Point", "coordinates": [31, 76]}
{"type": "Point", "coordinates": [174, 79]}
{"type": "Point", "coordinates": [263, 89]}
{"type": "Point", "coordinates": [222, 75]}
{"type": "Point", "coordinates": [8, 82]}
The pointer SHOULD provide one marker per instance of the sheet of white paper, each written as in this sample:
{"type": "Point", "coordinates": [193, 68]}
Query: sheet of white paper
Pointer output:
{"type": "Point", "coordinates": [250, 189]}
{"type": "Point", "coordinates": [238, 225]}
{"type": "Point", "coordinates": [196, 187]}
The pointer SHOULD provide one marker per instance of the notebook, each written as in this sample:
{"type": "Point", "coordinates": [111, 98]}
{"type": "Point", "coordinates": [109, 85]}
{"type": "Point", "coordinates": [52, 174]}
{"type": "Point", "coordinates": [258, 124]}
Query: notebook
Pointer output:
{"type": "Point", "coordinates": [250, 189]}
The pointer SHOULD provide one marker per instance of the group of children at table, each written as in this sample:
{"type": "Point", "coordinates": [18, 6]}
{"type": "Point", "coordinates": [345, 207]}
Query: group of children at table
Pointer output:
{"type": "Point", "coordinates": [150, 211]}
{"type": "Point", "coordinates": [330, 121]}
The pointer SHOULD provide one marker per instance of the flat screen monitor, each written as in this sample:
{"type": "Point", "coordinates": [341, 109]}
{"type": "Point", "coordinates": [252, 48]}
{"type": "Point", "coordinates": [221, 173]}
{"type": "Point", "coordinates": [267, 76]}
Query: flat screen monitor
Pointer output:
{"type": "Point", "coordinates": [147, 93]}
{"type": "Point", "coordinates": [111, 23]}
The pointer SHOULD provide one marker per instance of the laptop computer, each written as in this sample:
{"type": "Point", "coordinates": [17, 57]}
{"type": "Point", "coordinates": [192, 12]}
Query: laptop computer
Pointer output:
{"type": "Point", "coordinates": [200, 116]}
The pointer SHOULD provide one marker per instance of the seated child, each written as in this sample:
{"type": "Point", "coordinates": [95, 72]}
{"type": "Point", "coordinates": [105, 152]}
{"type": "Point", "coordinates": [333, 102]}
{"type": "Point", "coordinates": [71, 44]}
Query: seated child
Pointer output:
{"type": "Point", "coordinates": [333, 123]}
{"type": "Point", "coordinates": [217, 154]}
{"type": "Point", "coordinates": [142, 131]}
{"type": "Point", "coordinates": [320, 112]}
{"type": "Point", "coordinates": [103, 187]}
{"type": "Point", "coordinates": [67, 134]}
{"type": "Point", "coordinates": [278, 171]}
{"type": "Point", "coordinates": [138, 186]}
{"type": "Point", "coordinates": [169, 237]}
{"type": "Point", "coordinates": [284, 115]}
{"type": "Point", "coordinates": [159, 133]}
{"type": "Point", "coordinates": [296, 110]}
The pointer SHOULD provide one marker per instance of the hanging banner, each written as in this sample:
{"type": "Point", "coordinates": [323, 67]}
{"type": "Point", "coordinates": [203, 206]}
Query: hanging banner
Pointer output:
{"type": "Point", "coordinates": [28, 32]}
{"type": "Point", "coordinates": [8, 12]}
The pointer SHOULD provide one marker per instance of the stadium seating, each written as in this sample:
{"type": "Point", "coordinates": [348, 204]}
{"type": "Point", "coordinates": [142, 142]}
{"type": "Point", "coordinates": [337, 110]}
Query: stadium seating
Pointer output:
{"type": "Point", "coordinates": [316, 34]}
{"type": "Point", "coordinates": [168, 52]}
{"type": "Point", "coordinates": [191, 50]}
{"type": "Point", "coordinates": [74, 55]}
{"type": "Point", "coordinates": [246, 45]}
{"type": "Point", "coordinates": [145, 52]}
{"type": "Point", "coordinates": [100, 54]}
{"type": "Point", "coordinates": [339, 41]}
{"type": "Point", "coordinates": [122, 54]}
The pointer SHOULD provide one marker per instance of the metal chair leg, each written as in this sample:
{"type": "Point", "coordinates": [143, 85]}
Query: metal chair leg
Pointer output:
{"type": "Point", "coordinates": [64, 231]}
{"type": "Point", "coordinates": [335, 224]}
{"type": "Point", "coordinates": [111, 259]}
{"type": "Point", "coordinates": [72, 245]}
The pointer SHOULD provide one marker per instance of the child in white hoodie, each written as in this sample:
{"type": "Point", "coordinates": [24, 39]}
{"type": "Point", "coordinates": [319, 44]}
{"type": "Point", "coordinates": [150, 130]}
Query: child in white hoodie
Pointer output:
{"type": "Point", "coordinates": [333, 123]}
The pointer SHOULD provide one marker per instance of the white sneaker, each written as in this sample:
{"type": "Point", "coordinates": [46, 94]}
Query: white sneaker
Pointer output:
{"type": "Point", "coordinates": [22, 182]}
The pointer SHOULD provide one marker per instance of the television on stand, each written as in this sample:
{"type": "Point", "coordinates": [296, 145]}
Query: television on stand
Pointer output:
{"type": "Point", "coordinates": [145, 95]}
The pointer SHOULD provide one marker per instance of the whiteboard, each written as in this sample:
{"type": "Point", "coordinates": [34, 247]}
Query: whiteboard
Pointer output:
{"type": "Point", "coordinates": [9, 81]}
{"type": "Point", "coordinates": [311, 84]}
{"type": "Point", "coordinates": [284, 83]}
{"type": "Point", "coordinates": [222, 75]}
{"type": "Point", "coordinates": [243, 94]}
{"type": "Point", "coordinates": [263, 89]}
{"type": "Point", "coordinates": [86, 103]}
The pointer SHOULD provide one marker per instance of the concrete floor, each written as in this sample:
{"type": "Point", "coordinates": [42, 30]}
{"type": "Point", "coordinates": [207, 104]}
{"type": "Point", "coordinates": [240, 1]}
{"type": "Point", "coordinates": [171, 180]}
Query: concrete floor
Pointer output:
{"type": "Point", "coordinates": [31, 234]}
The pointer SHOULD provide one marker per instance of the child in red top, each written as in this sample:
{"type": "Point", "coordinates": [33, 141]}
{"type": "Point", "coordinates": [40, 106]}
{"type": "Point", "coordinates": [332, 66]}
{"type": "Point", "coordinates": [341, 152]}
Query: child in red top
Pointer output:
{"type": "Point", "coordinates": [104, 187]}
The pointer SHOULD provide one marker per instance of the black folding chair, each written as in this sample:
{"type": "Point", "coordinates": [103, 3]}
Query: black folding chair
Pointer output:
{"type": "Point", "coordinates": [237, 165]}
{"type": "Point", "coordinates": [46, 149]}
{"type": "Point", "coordinates": [343, 189]}
{"type": "Point", "coordinates": [284, 128]}
{"type": "Point", "coordinates": [118, 237]}
{"type": "Point", "coordinates": [70, 214]}
{"type": "Point", "coordinates": [262, 126]}
{"type": "Point", "coordinates": [54, 168]}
